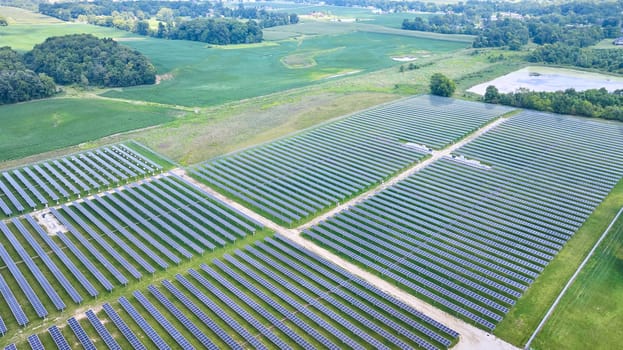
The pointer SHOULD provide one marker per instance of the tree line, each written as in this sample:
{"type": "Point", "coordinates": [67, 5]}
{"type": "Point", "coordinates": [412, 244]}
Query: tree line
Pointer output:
{"type": "Point", "coordinates": [80, 59]}
{"type": "Point", "coordinates": [207, 22]}
{"type": "Point", "coordinates": [575, 24]}
{"type": "Point", "coordinates": [595, 103]}
{"type": "Point", "coordinates": [610, 60]}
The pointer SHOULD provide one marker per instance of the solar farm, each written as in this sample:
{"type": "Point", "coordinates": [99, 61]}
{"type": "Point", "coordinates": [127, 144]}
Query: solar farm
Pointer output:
{"type": "Point", "coordinates": [60, 180]}
{"type": "Point", "coordinates": [471, 239]}
{"type": "Point", "coordinates": [293, 179]}
{"type": "Point", "coordinates": [270, 295]}
{"type": "Point", "coordinates": [112, 248]}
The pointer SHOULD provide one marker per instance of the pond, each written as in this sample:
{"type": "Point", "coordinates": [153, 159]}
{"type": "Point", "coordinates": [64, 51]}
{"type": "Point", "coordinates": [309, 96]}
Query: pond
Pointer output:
{"type": "Point", "coordinates": [550, 79]}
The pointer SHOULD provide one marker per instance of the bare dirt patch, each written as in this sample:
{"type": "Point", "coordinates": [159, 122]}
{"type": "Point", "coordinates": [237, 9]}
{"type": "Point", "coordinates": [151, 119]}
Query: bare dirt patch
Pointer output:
{"type": "Point", "coordinates": [162, 77]}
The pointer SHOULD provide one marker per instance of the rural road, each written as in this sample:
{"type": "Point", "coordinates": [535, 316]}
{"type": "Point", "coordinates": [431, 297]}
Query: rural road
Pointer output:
{"type": "Point", "coordinates": [470, 336]}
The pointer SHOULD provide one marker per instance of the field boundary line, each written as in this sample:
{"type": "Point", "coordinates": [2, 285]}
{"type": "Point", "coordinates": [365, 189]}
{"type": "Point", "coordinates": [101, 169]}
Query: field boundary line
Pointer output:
{"type": "Point", "coordinates": [550, 311]}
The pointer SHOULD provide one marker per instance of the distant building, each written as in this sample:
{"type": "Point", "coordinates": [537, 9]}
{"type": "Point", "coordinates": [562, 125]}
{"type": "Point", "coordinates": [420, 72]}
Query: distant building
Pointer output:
{"type": "Point", "coordinates": [618, 41]}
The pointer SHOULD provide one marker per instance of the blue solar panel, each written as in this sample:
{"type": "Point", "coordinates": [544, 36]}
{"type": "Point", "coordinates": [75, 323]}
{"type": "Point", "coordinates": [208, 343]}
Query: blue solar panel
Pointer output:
{"type": "Point", "coordinates": [19, 190]}
{"type": "Point", "coordinates": [110, 342]}
{"type": "Point", "coordinates": [186, 322]}
{"type": "Point", "coordinates": [155, 313]}
{"type": "Point", "coordinates": [41, 184]}
{"type": "Point", "coordinates": [35, 342]}
{"type": "Point", "coordinates": [30, 187]}
{"type": "Point", "coordinates": [142, 323]}
{"type": "Point", "coordinates": [123, 327]}
{"type": "Point", "coordinates": [82, 336]}
{"type": "Point", "coordinates": [23, 283]}
{"type": "Point", "coordinates": [60, 277]}
{"type": "Point", "coordinates": [231, 322]}
{"type": "Point", "coordinates": [58, 338]}
{"type": "Point", "coordinates": [11, 197]}
{"type": "Point", "coordinates": [14, 305]}
{"type": "Point", "coordinates": [95, 252]}
{"type": "Point", "coordinates": [202, 316]}
{"type": "Point", "coordinates": [131, 224]}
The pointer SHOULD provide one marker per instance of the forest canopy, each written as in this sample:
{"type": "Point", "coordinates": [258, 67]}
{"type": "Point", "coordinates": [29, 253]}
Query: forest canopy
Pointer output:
{"type": "Point", "coordinates": [80, 59]}
{"type": "Point", "coordinates": [87, 60]}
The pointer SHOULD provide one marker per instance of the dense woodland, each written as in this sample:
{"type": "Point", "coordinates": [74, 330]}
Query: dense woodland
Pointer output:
{"type": "Point", "coordinates": [197, 21]}
{"type": "Point", "coordinates": [80, 59]}
{"type": "Point", "coordinates": [86, 60]}
{"type": "Point", "coordinates": [18, 83]}
{"type": "Point", "coordinates": [597, 103]}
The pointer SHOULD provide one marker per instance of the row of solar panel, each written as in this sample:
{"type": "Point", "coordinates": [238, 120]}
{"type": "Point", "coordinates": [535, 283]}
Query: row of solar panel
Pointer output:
{"type": "Point", "coordinates": [471, 239]}
{"type": "Point", "coordinates": [132, 231]}
{"type": "Point", "coordinates": [228, 303]}
{"type": "Point", "coordinates": [292, 179]}
{"type": "Point", "coordinates": [75, 175]}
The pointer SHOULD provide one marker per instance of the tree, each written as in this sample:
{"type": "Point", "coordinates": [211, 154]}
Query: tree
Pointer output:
{"type": "Point", "coordinates": [142, 28]}
{"type": "Point", "coordinates": [492, 95]}
{"type": "Point", "coordinates": [441, 85]}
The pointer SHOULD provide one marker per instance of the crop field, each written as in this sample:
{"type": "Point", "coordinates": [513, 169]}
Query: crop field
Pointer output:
{"type": "Point", "coordinates": [471, 234]}
{"type": "Point", "coordinates": [200, 77]}
{"type": "Point", "coordinates": [39, 185]}
{"type": "Point", "coordinates": [273, 294]}
{"type": "Point", "coordinates": [44, 125]}
{"type": "Point", "coordinates": [107, 241]}
{"type": "Point", "coordinates": [293, 179]}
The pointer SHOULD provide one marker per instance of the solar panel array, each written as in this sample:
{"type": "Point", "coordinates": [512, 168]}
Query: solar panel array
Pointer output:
{"type": "Point", "coordinates": [47, 183]}
{"type": "Point", "coordinates": [274, 294]}
{"type": "Point", "coordinates": [294, 178]}
{"type": "Point", "coordinates": [111, 240]}
{"type": "Point", "coordinates": [471, 240]}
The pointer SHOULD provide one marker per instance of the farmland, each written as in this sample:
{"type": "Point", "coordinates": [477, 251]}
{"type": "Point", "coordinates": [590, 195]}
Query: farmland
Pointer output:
{"type": "Point", "coordinates": [40, 126]}
{"type": "Point", "coordinates": [199, 78]}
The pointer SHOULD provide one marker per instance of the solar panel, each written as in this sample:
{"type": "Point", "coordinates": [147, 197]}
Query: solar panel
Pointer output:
{"type": "Point", "coordinates": [102, 331]}
{"type": "Point", "coordinates": [155, 313]}
{"type": "Point", "coordinates": [186, 322]}
{"type": "Point", "coordinates": [142, 323]}
{"type": "Point", "coordinates": [58, 338]}
{"type": "Point", "coordinates": [30, 187]}
{"type": "Point", "coordinates": [23, 283]}
{"type": "Point", "coordinates": [123, 327]}
{"type": "Point", "coordinates": [82, 336]}
{"type": "Point", "coordinates": [16, 203]}
{"type": "Point", "coordinates": [35, 342]}
{"type": "Point", "coordinates": [19, 190]}
{"type": "Point", "coordinates": [56, 272]}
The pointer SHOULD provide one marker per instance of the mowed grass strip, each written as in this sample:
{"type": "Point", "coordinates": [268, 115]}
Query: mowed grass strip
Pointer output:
{"type": "Point", "coordinates": [523, 319]}
{"type": "Point", "coordinates": [40, 126]}
{"type": "Point", "coordinates": [590, 315]}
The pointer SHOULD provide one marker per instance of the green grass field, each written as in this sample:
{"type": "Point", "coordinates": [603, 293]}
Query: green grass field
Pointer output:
{"type": "Point", "coordinates": [40, 126]}
{"type": "Point", "coordinates": [589, 315]}
{"type": "Point", "coordinates": [204, 75]}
